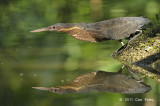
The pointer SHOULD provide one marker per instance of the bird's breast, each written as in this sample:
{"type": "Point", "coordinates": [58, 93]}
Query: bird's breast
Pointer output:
{"type": "Point", "coordinates": [83, 35]}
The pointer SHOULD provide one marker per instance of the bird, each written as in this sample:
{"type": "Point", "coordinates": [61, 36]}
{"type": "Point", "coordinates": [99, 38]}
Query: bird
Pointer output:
{"type": "Point", "coordinates": [100, 81]}
{"type": "Point", "coordinates": [112, 29]}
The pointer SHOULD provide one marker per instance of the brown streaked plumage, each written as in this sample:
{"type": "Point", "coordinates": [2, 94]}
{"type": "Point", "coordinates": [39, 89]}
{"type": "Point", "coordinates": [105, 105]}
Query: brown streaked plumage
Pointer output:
{"type": "Point", "coordinates": [100, 81]}
{"type": "Point", "coordinates": [116, 29]}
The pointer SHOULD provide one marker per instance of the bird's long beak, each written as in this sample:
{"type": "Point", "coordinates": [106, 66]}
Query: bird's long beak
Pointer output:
{"type": "Point", "coordinates": [42, 88]}
{"type": "Point", "coordinates": [42, 29]}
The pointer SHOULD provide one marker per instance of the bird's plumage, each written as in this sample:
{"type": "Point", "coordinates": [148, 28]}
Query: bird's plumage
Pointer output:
{"type": "Point", "coordinates": [100, 81]}
{"type": "Point", "coordinates": [112, 29]}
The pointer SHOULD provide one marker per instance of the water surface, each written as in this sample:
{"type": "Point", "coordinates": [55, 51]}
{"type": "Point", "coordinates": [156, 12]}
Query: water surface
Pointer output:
{"type": "Point", "coordinates": [53, 58]}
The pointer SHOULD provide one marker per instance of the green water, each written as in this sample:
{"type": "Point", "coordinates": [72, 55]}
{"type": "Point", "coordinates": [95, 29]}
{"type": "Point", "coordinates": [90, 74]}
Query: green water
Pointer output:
{"type": "Point", "coordinates": [53, 58]}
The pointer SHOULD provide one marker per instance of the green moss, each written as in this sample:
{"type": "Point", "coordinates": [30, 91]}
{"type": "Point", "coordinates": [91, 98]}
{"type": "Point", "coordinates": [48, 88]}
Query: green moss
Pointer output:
{"type": "Point", "coordinates": [142, 47]}
{"type": "Point", "coordinates": [157, 34]}
{"type": "Point", "coordinates": [153, 48]}
{"type": "Point", "coordinates": [152, 40]}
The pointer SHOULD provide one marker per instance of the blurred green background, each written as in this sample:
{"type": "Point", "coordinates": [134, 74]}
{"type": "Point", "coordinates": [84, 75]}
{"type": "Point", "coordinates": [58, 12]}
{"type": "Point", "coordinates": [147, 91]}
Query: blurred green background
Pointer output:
{"type": "Point", "coordinates": [53, 58]}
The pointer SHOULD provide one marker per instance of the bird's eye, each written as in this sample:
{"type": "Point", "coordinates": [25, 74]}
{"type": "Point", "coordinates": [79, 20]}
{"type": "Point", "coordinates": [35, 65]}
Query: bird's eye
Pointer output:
{"type": "Point", "coordinates": [53, 27]}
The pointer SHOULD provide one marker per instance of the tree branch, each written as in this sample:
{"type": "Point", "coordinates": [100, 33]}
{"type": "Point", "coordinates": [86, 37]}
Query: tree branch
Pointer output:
{"type": "Point", "coordinates": [142, 54]}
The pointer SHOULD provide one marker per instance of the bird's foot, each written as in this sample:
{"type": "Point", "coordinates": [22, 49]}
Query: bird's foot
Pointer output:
{"type": "Point", "coordinates": [141, 79]}
{"type": "Point", "coordinates": [136, 75]}
{"type": "Point", "coordinates": [120, 70]}
{"type": "Point", "coordinates": [140, 32]}
{"type": "Point", "coordinates": [121, 48]}
{"type": "Point", "coordinates": [122, 43]}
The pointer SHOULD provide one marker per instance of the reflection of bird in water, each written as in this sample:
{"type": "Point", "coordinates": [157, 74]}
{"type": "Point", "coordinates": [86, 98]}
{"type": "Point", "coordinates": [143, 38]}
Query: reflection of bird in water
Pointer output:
{"type": "Point", "coordinates": [116, 29]}
{"type": "Point", "coordinates": [100, 81]}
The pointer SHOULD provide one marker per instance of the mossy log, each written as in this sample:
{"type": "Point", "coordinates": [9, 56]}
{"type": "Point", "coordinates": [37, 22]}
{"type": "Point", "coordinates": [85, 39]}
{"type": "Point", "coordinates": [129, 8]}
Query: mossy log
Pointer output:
{"type": "Point", "coordinates": [142, 54]}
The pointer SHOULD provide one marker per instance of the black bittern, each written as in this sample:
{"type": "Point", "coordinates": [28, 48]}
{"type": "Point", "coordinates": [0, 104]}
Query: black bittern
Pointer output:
{"type": "Point", "coordinates": [100, 81]}
{"type": "Point", "coordinates": [112, 29]}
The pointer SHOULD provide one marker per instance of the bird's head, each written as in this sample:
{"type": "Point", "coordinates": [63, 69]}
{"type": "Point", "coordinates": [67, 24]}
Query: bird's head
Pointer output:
{"type": "Point", "coordinates": [61, 27]}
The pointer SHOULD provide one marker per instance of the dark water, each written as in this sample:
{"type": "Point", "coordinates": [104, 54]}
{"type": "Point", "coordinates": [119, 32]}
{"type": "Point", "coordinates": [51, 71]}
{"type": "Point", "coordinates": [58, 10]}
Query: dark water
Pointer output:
{"type": "Point", "coordinates": [52, 58]}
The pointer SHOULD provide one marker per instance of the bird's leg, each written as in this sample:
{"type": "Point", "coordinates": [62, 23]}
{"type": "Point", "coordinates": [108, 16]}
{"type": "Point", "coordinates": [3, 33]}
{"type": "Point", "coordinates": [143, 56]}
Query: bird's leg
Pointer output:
{"type": "Point", "coordinates": [136, 75]}
{"type": "Point", "coordinates": [132, 72]}
{"type": "Point", "coordinates": [132, 39]}
{"type": "Point", "coordinates": [140, 32]}
{"type": "Point", "coordinates": [141, 79]}
{"type": "Point", "coordinates": [121, 42]}
{"type": "Point", "coordinates": [120, 70]}
{"type": "Point", "coordinates": [122, 47]}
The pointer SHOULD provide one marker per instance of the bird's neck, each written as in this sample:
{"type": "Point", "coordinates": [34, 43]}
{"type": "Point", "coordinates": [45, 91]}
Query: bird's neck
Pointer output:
{"type": "Point", "coordinates": [72, 29]}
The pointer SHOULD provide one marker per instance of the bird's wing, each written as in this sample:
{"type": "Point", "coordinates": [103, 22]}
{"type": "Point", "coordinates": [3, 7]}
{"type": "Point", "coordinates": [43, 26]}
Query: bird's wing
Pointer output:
{"type": "Point", "coordinates": [84, 79]}
{"type": "Point", "coordinates": [119, 28]}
